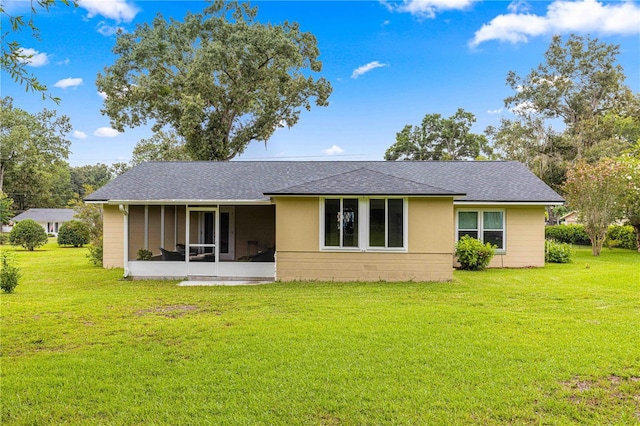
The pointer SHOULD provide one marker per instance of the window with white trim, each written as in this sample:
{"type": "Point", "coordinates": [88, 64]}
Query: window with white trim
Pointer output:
{"type": "Point", "coordinates": [386, 222]}
{"type": "Point", "coordinates": [366, 223]}
{"type": "Point", "coordinates": [341, 222]}
{"type": "Point", "coordinates": [485, 225]}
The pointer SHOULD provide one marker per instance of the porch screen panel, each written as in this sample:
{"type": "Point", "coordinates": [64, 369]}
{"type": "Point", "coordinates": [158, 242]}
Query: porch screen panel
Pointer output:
{"type": "Point", "coordinates": [154, 230]}
{"type": "Point", "coordinates": [136, 230]}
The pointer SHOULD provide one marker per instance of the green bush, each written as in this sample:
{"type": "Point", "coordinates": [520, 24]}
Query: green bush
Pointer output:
{"type": "Point", "coordinates": [569, 234]}
{"type": "Point", "coordinates": [144, 254]}
{"type": "Point", "coordinates": [472, 254]}
{"type": "Point", "coordinates": [555, 252]}
{"type": "Point", "coordinates": [28, 234]}
{"type": "Point", "coordinates": [9, 275]}
{"type": "Point", "coordinates": [622, 237]}
{"type": "Point", "coordinates": [74, 233]}
{"type": "Point", "coordinates": [3, 238]}
{"type": "Point", "coordinates": [95, 253]}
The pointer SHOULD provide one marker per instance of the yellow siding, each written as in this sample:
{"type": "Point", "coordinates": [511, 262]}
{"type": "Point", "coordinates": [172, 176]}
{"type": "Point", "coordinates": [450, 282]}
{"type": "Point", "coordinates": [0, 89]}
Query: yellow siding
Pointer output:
{"type": "Point", "coordinates": [524, 233]}
{"type": "Point", "coordinates": [525, 238]}
{"type": "Point", "coordinates": [430, 247]}
{"type": "Point", "coordinates": [113, 237]}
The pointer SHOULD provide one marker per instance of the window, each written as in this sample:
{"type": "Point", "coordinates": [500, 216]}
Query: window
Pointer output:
{"type": "Point", "coordinates": [353, 223]}
{"type": "Point", "coordinates": [386, 223]}
{"type": "Point", "coordinates": [341, 222]}
{"type": "Point", "coordinates": [485, 225]}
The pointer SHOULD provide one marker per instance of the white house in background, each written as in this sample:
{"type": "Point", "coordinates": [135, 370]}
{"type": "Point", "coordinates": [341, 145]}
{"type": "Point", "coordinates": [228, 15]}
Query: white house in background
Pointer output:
{"type": "Point", "coordinates": [50, 219]}
{"type": "Point", "coordinates": [570, 218]}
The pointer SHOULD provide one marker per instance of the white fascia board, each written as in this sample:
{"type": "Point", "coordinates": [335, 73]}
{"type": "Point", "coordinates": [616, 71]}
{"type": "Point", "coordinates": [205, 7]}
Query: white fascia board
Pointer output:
{"type": "Point", "coordinates": [187, 202]}
{"type": "Point", "coordinates": [508, 203]}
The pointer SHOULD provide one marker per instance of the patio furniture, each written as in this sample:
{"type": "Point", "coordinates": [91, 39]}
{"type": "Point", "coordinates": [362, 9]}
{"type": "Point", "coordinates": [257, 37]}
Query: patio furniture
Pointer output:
{"type": "Point", "coordinates": [171, 255]}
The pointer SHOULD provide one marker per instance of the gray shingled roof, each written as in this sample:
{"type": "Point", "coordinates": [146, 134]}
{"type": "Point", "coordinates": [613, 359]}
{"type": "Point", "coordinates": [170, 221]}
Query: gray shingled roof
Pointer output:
{"type": "Point", "coordinates": [46, 215]}
{"type": "Point", "coordinates": [481, 181]}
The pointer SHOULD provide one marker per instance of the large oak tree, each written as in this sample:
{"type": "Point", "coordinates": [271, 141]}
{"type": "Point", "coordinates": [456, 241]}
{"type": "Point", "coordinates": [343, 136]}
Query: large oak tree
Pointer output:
{"type": "Point", "coordinates": [220, 79]}
{"type": "Point", "coordinates": [439, 138]}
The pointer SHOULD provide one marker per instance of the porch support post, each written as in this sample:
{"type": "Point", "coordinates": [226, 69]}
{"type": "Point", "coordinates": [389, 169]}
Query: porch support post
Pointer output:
{"type": "Point", "coordinates": [146, 227]}
{"type": "Point", "coordinates": [125, 218]}
{"type": "Point", "coordinates": [162, 226]}
{"type": "Point", "coordinates": [187, 241]}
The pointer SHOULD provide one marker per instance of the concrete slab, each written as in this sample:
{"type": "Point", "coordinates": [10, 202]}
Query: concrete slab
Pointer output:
{"type": "Point", "coordinates": [196, 283]}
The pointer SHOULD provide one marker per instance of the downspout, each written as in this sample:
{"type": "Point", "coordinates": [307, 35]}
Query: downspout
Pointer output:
{"type": "Point", "coordinates": [125, 215]}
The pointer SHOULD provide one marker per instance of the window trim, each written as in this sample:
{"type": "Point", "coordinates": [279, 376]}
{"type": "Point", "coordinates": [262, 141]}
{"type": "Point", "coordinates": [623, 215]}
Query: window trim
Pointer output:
{"type": "Point", "coordinates": [363, 225]}
{"type": "Point", "coordinates": [481, 229]}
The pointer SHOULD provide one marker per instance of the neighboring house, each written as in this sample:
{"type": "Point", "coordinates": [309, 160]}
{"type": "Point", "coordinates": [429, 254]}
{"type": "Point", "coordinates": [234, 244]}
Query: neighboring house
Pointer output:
{"type": "Point", "coordinates": [341, 220]}
{"type": "Point", "coordinates": [50, 219]}
{"type": "Point", "coordinates": [570, 218]}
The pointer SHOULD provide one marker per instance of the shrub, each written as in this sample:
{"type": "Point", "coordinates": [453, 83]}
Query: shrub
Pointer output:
{"type": "Point", "coordinates": [569, 234]}
{"type": "Point", "coordinates": [472, 254]}
{"type": "Point", "coordinates": [95, 253]}
{"type": "Point", "coordinates": [73, 233]}
{"type": "Point", "coordinates": [3, 238]}
{"type": "Point", "coordinates": [28, 234]}
{"type": "Point", "coordinates": [555, 252]}
{"type": "Point", "coordinates": [144, 254]}
{"type": "Point", "coordinates": [622, 237]}
{"type": "Point", "coordinates": [9, 274]}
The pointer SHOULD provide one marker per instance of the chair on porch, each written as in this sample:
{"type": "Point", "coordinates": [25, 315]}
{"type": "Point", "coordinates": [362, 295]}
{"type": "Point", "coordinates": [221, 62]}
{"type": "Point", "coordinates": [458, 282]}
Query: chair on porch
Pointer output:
{"type": "Point", "coordinates": [180, 248]}
{"type": "Point", "coordinates": [171, 255]}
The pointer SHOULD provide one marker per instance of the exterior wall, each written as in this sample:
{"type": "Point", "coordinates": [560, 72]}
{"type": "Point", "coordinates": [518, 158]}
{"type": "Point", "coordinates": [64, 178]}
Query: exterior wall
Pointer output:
{"type": "Point", "coordinates": [428, 258]}
{"type": "Point", "coordinates": [524, 235]}
{"type": "Point", "coordinates": [113, 237]}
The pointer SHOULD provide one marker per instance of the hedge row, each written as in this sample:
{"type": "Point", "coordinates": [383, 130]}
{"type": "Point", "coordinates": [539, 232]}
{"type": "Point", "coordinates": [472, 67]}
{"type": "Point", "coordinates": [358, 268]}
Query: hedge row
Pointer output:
{"type": "Point", "coordinates": [617, 236]}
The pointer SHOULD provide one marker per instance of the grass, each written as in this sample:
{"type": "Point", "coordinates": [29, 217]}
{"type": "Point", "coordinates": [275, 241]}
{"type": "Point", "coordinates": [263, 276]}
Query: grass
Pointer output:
{"type": "Point", "coordinates": [555, 345]}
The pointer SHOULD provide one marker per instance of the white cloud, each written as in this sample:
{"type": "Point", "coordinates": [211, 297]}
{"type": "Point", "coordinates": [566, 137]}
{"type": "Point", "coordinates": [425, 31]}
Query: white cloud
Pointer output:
{"type": "Point", "coordinates": [118, 10]}
{"type": "Point", "coordinates": [33, 58]}
{"type": "Point", "coordinates": [108, 30]}
{"type": "Point", "coordinates": [68, 82]}
{"type": "Point", "coordinates": [79, 135]}
{"type": "Point", "coordinates": [102, 95]}
{"type": "Point", "coordinates": [583, 16]}
{"type": "Point", "coordinates": [427, 8]}
{"type": "Point", "coordinates": [495, 111]}
{"type": "Point", "coordinates": [106, 132]}
{"type": "Point", "coordinates": [335, 149]}
{"type": "Point", "coordinates": [67, 61]}
{"type": "Point", "coordinates": [366, 68]}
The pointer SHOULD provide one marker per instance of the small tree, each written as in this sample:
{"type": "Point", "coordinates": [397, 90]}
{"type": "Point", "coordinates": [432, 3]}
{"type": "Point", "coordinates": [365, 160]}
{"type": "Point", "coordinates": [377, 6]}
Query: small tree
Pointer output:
{"type": "Point", "coordinates": [28, 234]}
{"type": "Point", "coordinates": [472, 254]}
{"type": "Point", "coordinates": [594, 190]}
{"type": "Point", "coordinates": [74, 233]}
{"type": "Point", "coordinates": [9, 274]}
{"type": "Point", "coordinates": [629, 180]}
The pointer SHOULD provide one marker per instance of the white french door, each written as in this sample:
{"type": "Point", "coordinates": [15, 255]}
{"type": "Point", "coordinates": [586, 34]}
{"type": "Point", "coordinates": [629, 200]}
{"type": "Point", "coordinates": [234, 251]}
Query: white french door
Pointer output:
{"type": "Point", "coordinates": [202, 241]}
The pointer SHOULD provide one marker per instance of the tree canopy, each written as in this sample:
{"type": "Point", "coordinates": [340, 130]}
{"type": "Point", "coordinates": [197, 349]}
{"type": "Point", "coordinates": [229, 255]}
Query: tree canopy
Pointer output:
{"type": "Point", "coordinates": [580, 86]}
{"type": "Point", "coordinates": [33, 154]}
{"type": "Point", "coordinates": [14, 58]}
{"type": "Point", "coordinates": [219, 79]}
{"type": "Point", "coordinates": [439, 138]}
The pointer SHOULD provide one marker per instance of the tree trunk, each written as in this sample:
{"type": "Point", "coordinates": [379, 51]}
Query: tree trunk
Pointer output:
{"type": "Point", "coordinates": [636, 228]}
{"type": "Point", "coordinates": [597, 241]}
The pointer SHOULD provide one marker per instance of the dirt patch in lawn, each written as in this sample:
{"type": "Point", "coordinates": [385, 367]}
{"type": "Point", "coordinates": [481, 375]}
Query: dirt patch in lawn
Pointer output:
{"type": "Point", "coordinates": [595, 394]}
{"type": "Point", "coordinates": [169, 311]}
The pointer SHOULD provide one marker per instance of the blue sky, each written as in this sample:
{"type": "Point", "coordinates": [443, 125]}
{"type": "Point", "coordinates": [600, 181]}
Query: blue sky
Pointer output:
{"type": "Point", "coordinates": [389, 63]}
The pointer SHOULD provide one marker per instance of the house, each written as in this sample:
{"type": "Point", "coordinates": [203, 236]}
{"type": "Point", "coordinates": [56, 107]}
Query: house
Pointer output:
{"type": "Point", "coordinates": [570, 218]}
{"type": "Point", "coordinates": [340, 220]}
{"type": "Point", "coordinates": [50, 219]}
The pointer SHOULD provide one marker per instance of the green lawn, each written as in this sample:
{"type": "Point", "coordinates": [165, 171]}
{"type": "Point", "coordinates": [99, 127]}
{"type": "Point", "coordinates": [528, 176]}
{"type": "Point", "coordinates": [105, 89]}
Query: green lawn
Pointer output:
{"type": "Point", "coordinates": [556, 345]}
